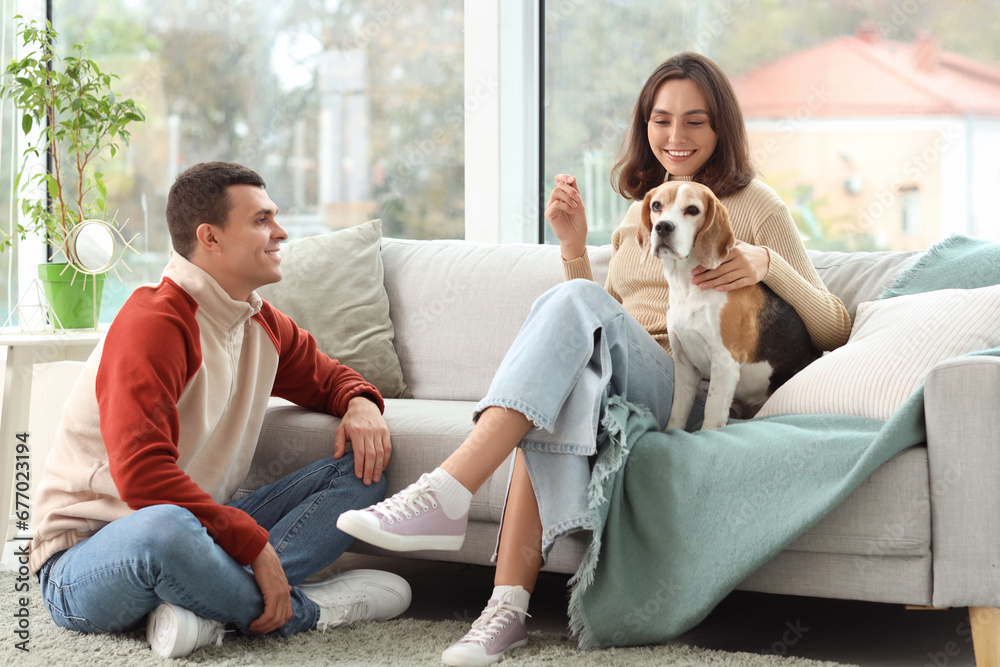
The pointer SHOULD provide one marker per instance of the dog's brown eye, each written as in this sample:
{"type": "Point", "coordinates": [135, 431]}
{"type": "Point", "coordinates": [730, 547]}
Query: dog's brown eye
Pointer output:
{"type": "Point", "coordinates": [656, 206]}
{"type": "Point", "coordinates": [691, 210]}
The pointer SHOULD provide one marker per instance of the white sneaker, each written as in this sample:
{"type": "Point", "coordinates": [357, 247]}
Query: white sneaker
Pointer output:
{"type": "Point", "coordinates": [501, 627]}
{"type": "Point", "coordinates": [175, 632]}
{"type": "Point", "coordinates": [358, 595]}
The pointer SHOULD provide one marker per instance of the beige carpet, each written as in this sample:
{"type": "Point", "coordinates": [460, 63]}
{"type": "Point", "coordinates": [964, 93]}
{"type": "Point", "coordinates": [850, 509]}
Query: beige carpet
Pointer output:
{"type": "Point", "coordinates": [403, 643]}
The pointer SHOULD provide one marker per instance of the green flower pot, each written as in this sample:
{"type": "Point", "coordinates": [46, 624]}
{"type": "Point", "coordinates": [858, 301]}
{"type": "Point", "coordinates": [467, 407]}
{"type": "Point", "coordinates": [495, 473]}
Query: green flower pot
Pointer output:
{"type": "Point", "coordinates": [75, 297]}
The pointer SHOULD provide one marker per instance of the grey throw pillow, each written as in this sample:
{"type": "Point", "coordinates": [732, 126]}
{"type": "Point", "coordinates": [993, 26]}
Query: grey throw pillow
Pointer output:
{"type": "Point", "coordinates": [332, 287]}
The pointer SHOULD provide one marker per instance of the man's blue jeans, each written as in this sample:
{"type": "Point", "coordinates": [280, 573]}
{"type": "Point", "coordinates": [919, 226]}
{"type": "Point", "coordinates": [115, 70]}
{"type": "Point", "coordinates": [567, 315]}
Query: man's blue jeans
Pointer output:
{"type": "Point", "coordinates": [111, 580]}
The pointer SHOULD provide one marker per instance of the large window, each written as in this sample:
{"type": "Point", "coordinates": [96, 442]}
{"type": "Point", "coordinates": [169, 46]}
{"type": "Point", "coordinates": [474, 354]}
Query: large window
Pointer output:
{"type": "Point", "coordinates": [851, 107]}
{"type": "Point", "coordinates": [350, 110]}
{"type": "Point", "coordinates": [450, 118]}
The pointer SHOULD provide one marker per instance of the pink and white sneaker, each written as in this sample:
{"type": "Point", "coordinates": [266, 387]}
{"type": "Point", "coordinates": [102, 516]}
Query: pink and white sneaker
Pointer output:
{"type": "Point", "coordinates": [410, 520]}
{"type": "Point", "coordinates": [501, 627]}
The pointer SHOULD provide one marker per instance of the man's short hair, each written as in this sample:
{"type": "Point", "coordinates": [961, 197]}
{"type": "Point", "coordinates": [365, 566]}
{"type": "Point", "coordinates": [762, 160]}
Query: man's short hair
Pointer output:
{"type": "Point", "coordinates": [199, 195]}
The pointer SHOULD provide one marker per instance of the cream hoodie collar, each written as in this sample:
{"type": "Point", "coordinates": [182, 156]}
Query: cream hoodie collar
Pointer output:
{"type": "Point", "coordinates": [213, 301]}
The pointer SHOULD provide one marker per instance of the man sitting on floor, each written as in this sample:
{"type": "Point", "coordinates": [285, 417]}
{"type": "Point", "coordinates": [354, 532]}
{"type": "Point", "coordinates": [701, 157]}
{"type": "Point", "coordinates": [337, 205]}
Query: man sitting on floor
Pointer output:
{"type": "Point", "coordinates": [135, 517]}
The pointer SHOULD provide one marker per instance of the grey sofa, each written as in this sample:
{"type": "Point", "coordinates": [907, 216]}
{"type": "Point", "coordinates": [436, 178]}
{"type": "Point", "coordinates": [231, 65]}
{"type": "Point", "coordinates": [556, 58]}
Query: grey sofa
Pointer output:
{"type": "Point", "coordinates": [924, 529]}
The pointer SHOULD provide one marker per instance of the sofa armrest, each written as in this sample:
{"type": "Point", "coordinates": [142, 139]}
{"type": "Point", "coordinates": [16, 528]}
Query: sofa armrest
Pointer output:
{"type": "Point", "coordinates": [961, 400]}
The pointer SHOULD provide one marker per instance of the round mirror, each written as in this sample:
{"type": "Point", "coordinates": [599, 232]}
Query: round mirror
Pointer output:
{"type": "Point", "coordinates": [92, 246]}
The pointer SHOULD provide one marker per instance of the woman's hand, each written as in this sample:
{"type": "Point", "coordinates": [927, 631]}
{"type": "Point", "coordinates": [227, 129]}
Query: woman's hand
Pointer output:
{"type": "Point", "coordinates": [745, 264]}
{"type": "Point", "coordinates": [567, 217]}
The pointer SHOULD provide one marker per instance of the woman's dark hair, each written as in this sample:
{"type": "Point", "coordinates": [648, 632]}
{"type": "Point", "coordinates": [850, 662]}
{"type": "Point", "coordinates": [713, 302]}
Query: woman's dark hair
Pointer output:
{"type": "Point", "coordinates": [199, 195]}
{"type": "Point", "coordinates": [729, 169]}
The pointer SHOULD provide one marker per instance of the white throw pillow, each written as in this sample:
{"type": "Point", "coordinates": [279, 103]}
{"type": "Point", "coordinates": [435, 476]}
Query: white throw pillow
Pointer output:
{"type": "Point", "coordinates": [893, 345]}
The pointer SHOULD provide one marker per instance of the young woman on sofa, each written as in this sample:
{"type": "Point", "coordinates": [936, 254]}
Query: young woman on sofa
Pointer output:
{"type": "Point", "coordinates": [582, 342]}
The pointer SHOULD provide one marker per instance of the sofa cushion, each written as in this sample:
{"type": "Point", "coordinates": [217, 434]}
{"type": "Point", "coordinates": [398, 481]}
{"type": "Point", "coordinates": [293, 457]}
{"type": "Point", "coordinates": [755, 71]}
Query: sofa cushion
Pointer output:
{"type": "Point", "coordinates": [333, 288]}
{"type": "Point", "coordinates": [888, 514]}
{"type": "Point", "coordinates": [859, 277]}
{"type": "Point", "coordinates": [893, 345]}
{"type": "Point", "coordinates": [423, 434]}
{"type": "Point", "coordinates": [458, 306]}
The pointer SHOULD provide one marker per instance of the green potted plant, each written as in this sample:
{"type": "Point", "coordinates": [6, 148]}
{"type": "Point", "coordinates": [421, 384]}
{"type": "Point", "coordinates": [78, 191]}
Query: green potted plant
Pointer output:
{"type": "Point", "coordinates": [70, 114]}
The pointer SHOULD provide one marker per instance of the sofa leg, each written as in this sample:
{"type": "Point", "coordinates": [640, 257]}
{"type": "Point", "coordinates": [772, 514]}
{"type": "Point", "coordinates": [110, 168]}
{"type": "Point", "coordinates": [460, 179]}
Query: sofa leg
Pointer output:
{"type": "Point", "coordinates": [985, 622]}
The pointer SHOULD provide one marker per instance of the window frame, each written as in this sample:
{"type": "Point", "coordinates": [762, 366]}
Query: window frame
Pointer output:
{"type": "Point", "coordinates": [503, 132]}
{"type": "Point", "coordinates": [32, 250]}
{"type": "Point", "coordinates": [503, 111]}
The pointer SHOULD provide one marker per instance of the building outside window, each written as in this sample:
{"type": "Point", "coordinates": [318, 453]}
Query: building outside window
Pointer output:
{"type": "Point", "coordinates": [909, 197]}
{"type": "Point", "coordinates": [845, 101]}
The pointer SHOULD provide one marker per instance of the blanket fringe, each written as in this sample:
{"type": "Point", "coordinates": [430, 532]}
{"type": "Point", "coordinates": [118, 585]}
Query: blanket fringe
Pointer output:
{"type": "Point", "coordinates": [614, 452]}
{"type": "Point", "coordinates": [906, 277]}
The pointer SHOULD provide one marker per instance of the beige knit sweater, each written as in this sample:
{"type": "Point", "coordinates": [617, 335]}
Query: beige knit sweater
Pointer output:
{"type": "Point", "coordinates": [759, 217]}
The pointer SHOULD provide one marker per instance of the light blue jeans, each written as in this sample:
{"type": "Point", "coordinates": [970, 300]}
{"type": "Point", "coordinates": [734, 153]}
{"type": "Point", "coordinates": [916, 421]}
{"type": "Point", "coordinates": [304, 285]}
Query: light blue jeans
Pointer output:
{"type": "Point", "coordinates": [111, 580]}
{"type": "Point", "coordinates": [577, 346]}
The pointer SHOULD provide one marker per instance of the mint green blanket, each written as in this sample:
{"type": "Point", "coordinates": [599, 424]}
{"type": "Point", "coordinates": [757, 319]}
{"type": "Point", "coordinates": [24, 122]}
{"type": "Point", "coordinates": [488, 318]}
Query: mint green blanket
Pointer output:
{"type": "Point", "coordinates": [957, 262]}
{"type": "Point", "coordinates": [683, 518]}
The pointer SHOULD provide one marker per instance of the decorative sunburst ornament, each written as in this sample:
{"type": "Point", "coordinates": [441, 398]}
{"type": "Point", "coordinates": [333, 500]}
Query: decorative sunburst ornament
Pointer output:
{"type": "Point", "coordinates": [92, 248]}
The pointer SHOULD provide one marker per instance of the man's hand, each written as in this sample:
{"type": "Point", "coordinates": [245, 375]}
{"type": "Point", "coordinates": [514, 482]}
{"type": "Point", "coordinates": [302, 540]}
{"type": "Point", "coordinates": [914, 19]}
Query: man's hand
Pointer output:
{"type": "Point", "coordinates": [274, 587]}
{"type": "Point", "coordinates": [365, 427]}
{"type": "Point", "coordinates": [745, 264]}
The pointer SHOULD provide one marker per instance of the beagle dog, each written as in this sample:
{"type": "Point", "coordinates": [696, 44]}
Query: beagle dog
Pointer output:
{"type": "Point", "coordinates": [747, 341]}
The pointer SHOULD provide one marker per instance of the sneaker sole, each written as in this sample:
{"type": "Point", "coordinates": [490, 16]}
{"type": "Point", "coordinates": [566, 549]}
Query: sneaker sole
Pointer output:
{"type": "Point", "coordinates": [458, 659]}
{"type": "Point", "coordinates": [363, 531]}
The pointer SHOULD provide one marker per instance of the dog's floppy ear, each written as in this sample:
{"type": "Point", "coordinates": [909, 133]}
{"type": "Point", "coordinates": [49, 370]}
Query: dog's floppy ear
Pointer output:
{"type": "Point", "coordinates": [645, 225]}
{"type": "Point", "coordinates": [715, 239]}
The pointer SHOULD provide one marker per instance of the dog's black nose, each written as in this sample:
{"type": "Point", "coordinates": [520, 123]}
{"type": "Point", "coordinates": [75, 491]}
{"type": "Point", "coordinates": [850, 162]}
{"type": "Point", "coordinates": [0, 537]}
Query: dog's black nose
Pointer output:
{"type": "Point", "coordinates": [664, 227]}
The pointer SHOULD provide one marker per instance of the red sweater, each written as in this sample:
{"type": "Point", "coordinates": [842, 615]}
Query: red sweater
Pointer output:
{"type": "Point", "coordinates": [169, 407]}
